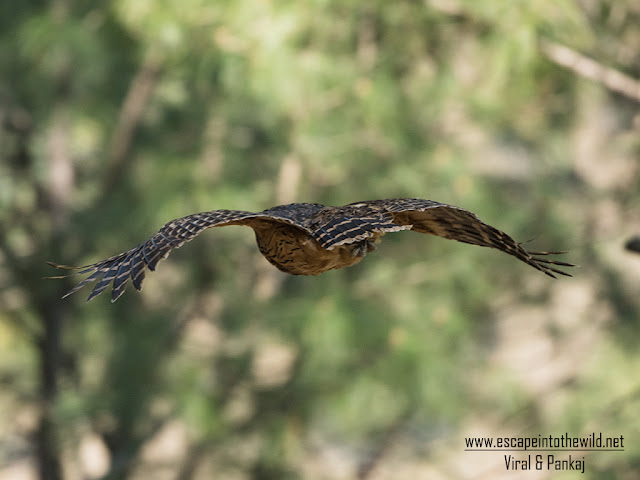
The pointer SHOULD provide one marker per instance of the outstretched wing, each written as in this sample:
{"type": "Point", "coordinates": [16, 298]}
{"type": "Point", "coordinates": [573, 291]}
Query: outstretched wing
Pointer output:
{"type": "Point", "coordinates": [455, 223]}
{"type": "Point", "coordinates": [132, 263]}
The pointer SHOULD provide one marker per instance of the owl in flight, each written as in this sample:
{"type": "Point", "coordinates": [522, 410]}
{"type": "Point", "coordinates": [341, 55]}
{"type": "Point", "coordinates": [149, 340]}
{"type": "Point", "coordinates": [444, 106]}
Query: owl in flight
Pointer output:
{"type": "Point", "coordinates": [310, 238]}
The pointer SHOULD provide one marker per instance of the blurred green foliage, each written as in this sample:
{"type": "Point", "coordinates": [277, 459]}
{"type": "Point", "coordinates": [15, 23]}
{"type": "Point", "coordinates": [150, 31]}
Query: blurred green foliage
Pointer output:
{"type": "Point", "coordinates": [120, 116]}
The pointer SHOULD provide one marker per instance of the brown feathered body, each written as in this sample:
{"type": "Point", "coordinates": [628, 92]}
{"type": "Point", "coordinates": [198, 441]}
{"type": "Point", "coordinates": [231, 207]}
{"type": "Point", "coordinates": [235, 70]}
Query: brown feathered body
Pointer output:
{"type": "Point", "coordinates": [310, 238]}
{"type": "Point", "coordinates": [295, 252]}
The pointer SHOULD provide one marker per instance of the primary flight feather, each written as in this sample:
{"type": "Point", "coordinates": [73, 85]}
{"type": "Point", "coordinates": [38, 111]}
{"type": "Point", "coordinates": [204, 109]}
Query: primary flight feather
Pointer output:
{"type": "Point", "coordinates": [310, 238]}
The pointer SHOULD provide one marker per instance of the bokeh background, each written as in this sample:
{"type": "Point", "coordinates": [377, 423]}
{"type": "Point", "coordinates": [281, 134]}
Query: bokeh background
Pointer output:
{"type": "Point", "coordinates": [117, 117]}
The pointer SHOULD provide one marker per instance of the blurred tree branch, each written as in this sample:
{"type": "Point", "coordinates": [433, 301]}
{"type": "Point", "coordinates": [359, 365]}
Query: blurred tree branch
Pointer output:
{"type": "Point", "coordinates": [368, 468]}
{"type": "Point", "coordinates": [125, 450]}
{"type": "Point", "coordinates": [588, 68]}
{"type": "Point", "coordinates": [133, 107]}
{"type": "Point", "coordinates": [56, 202]}
{"type": "Point", "coordinates": [193, 459]}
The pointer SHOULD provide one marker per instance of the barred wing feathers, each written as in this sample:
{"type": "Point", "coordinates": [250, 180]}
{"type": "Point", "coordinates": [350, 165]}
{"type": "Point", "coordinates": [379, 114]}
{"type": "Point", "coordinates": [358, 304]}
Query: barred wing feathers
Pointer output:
{"type": "Point", "coordinates": [455, 223]}
{"type": "Point", "coordinates": [344, 230]}
{"type": "Point", "coordinates": [131, 264]}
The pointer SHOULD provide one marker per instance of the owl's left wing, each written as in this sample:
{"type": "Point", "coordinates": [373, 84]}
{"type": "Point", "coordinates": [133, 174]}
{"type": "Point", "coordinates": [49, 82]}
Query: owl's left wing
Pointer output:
{"type": "Point", "coordinates": [132, 263]}
{"type": "Point", "coordinates": [455, 223]}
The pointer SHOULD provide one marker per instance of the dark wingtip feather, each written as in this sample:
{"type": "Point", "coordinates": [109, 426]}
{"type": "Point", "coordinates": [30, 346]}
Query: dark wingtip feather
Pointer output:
{"type": "Point", "coordinates": [97, 275]}
{"type": "Point", "coordinates": [87, 269]}
{"type": "Point", "coordinates": [137, 269]}
{"type": "Point", "coordinates": [110, 273]}
{"type": "Point", "coordinates": [117, 269]}
{"type": "Point", "coordinates": [545, 264]}
{"type": "Point", "coordinates": [122, 277]}
{"type": "Point", "coordinates": [103, 272]}
{"type": "Point", "coordinates": [95, 292]}
{"type": "Point", "coordinates": [57, 265]}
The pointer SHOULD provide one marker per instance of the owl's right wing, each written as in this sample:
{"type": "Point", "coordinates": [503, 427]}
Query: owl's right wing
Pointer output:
{"type": "Point", "coordinates": [132, 263]}
{"type": "Point", "coordinates": [455, 223]}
